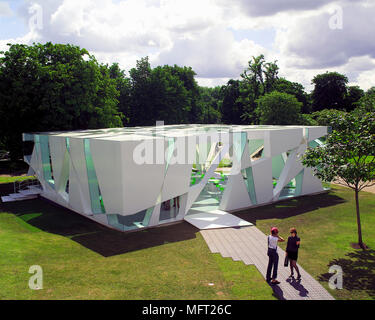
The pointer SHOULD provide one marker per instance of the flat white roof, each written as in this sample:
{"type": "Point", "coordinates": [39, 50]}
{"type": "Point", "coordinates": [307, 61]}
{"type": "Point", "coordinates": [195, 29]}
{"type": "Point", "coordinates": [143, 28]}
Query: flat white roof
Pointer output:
{"type": "Point", "coordinates": [150, 132]}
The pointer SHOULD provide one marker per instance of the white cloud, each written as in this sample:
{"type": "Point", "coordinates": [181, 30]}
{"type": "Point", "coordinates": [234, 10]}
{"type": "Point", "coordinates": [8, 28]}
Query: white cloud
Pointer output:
{"type": "Point", "coordinates": [208, 82]}
{"type": "Point", "coordinates": [212, 54]}
{"type": "Point", "coordinates": [132, 25]}
{"type": "Point", "coordinates": [312, 44]}
{"type": "Point", "coordinates": [271, 7]}
{"type": "Point", "coordinates": [26, 39]}
{"type": "Point", "coordinates": [204, 34]}
{"type": "Point", "coordinates": [366, 79]}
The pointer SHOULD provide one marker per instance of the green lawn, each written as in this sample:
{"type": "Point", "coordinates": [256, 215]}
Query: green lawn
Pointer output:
{"type": "Point", "coordinates": [11, 179]}
{"type": "Point", "coordinates": [83, 260]}
{"type": "Point", "coordinates": [327, 226]}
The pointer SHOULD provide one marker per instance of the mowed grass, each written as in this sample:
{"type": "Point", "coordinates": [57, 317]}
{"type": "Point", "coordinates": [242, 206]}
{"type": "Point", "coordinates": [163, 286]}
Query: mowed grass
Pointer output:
{"type": "Point", "coordinates": [10, 179]}
{"type": "Point", "coordinates": [83, 260]}
{"type": "Point", "coordinates": [327, 227]}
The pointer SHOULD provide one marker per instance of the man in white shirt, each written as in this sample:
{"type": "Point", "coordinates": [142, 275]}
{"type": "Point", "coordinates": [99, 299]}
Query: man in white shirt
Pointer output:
{"type": "Point", "coordinates": [273, 261]}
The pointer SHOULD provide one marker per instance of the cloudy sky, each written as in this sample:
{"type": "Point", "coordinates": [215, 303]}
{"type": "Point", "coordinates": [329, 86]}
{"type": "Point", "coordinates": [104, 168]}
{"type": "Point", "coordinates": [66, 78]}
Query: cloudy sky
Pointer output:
{"type": "Point", "coordinates": [215, 37]}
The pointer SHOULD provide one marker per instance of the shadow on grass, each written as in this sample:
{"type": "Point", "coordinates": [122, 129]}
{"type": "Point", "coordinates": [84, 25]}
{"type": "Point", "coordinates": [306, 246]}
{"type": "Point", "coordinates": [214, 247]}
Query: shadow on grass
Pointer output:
{"type": "Point", "coordinates": [358, 271]}
{"type": "Point", "coordinates": [289, 208]}
{"type": "Point", "coordinates": [108, 242]}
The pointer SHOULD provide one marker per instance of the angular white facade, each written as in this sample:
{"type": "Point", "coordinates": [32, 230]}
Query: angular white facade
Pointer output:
{"type": "Point", "coordinates": [129, 178]}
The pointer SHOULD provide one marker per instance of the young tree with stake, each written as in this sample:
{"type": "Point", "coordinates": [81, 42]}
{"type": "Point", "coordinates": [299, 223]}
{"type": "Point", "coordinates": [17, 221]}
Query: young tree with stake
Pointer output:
{"type": "Point", "coordinates": [348, 157]}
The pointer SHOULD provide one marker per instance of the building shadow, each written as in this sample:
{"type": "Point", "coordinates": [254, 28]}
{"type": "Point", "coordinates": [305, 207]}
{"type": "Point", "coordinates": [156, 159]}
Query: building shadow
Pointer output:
{"type": "Point", "coordinates": [358, 271]}
{"type": "Point", "coordinates": [55, 219]}
{"type": "Point", "coordinates": [289, 208]}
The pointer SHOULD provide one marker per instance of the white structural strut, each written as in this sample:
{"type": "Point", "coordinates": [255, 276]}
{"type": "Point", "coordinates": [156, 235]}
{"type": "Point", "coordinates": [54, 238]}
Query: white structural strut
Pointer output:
{"type": "Point", "coordinates": [130, 178]}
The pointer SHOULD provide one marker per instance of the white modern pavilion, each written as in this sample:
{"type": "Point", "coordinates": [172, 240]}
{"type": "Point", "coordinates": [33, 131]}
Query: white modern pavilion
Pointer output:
{"type": "Point", "coordinates": [131, 178]}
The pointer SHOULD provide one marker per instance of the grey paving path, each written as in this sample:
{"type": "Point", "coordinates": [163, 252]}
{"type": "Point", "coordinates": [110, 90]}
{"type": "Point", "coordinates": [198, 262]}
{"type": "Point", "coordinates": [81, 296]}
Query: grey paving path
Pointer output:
{"type": "Point", "coordinates": [249, 244]}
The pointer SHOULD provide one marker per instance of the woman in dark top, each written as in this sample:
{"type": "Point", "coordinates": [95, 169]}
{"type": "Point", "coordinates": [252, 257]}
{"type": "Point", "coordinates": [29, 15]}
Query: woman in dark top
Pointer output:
{"type": "Point", "coordinates": [292, 252]}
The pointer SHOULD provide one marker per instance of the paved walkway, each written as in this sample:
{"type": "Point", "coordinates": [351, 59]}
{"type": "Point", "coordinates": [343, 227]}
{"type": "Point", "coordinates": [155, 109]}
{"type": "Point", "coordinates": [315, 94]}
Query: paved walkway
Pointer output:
{"type": "Point", "coordinates": [249, 244]}
{"type": "Point", "coordinates": [215, 219]}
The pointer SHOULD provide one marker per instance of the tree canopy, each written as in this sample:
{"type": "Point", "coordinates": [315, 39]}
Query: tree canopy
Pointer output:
{"type": "Point", "coordinates": [278, 108]}
{"type": "Point", "coordinates": [49, 86]}
{"type": "Point", "coordinates": [348, 156]}
{"type": "Point", "coordinates": [329, 91]}
{"type": "Point", "coordinates": [53, 87]}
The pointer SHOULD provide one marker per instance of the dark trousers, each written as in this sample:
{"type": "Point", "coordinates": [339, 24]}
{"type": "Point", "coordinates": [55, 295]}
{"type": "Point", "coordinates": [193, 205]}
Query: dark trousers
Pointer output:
{"type": "Point", "coordinates": [273, 262]}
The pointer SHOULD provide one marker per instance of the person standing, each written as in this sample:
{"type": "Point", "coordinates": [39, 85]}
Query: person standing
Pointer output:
{"type": "Point", "coordinates": [292, 252]}
{"type": "Point", "coordinates": [273, 256]}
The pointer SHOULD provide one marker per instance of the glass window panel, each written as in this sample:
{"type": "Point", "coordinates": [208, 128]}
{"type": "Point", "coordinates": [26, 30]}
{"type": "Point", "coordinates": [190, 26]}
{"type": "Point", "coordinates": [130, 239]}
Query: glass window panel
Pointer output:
{"type": "Point", "coordinates": [97, 205]}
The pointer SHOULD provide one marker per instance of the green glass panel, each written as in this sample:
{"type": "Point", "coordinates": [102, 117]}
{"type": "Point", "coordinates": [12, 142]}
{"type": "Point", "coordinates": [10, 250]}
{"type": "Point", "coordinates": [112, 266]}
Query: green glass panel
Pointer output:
{"type": "Point", "coordinates": [28, 137]}
{"type": "Point", "coordinates": [254, 145]}
{"type": "Point", "coordinates": [239, 142]}
{"type": "Point", "coordinates": [97, 205]}
{"type": "Point", "coordinates": [277, 166]}
{"type": "Point", "coordinates": [67, 144]}
{"type": "Point", "coordinates": [306, 133]}
{"type": "Point", "coordinates": [46, 160]}
{"type": "Point", "coordinates": [66, 170]}
{"type": "Point", "coordinates": [169, 152]}
{"type": "Point", "coordinates": [113, 221]}
{"type": "Point", "coordinates": [299, 181]}
{"type": "Point", "coordinates": [315, 143]}
{"type": "Point", "coordinates": [147, 217]}
{"type": "Point", "coordinates": [249, 181]}
{"type": "Point", "coordinates": [129, 222]}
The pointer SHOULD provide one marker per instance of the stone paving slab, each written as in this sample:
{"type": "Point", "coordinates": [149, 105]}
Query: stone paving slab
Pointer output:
{"type": "Point", "coordinates": [249, 244]}
{"type": "Point", "coordinates": [214, 219]}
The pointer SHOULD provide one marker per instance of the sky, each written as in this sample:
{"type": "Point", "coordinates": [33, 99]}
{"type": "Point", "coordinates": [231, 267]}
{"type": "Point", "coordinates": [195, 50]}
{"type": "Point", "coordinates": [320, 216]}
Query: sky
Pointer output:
{"type": "Point", "coordinates": [216, 38]}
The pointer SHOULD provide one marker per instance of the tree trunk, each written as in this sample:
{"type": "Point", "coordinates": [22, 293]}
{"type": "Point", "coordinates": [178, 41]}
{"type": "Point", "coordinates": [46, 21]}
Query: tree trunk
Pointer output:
{"type": "Point", "coordinates": [360, 242]}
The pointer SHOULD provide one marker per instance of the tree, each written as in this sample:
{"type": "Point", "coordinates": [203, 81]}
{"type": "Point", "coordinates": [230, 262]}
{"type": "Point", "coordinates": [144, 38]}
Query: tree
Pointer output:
{"type": "Point", "coordinates": [49, 87]}
{"type": "Point", "coordinates": [210, 104]}
{"type": "Point", "coordinates": [277, 108]}
{"type": "Point", "coordinates": [371, 91]}
{"type": "Point", "coordinates": [271, 71]}
{"type": "Point", "coordinates": [366, 103]}
{"type": "Point", "coordinates": [347, 157]}
{"type": "Point", "coordinates": [354, 94]}
{"type": "Point", "coordinates": [124, 88]}
{"type": "Point", "coordinates": [327, 117]}
{"type": "Point", "coordinates": [296, 89]}
{"type": "Point", "coordinates": [187, 76]}
{"type": "Point", "coordinates": [168, 93]}
{"type": "Point", "coordinates": [231, 108]}
{"type": "Point", "coordinates": [142, 109]}
{"type": "Point", "coordinates": [253, 75]}
{"type": "Point", "coordinates": [170, 98]}
{"type": "Point", "coordinates": [258, 79]}
{"type": "Point", "coordinates": [329, 91]}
